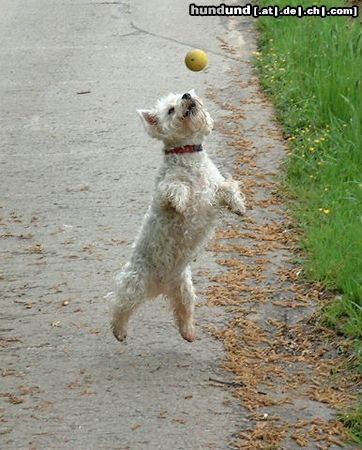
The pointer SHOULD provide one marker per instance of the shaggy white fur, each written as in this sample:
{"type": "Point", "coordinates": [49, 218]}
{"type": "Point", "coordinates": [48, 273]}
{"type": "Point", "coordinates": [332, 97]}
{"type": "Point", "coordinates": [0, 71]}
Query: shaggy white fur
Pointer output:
{"type": "Point", "coordinates": [189, 193]}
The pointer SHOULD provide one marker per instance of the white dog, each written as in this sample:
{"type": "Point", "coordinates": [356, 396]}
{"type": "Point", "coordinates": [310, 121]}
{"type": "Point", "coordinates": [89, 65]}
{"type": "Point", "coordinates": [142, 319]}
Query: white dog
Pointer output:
{"type": "Point", "coordinates": [189, 193]}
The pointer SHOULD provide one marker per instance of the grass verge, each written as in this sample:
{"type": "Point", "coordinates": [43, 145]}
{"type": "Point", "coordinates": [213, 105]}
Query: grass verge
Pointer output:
{"type": "Point", "coordinates": [312, 68]}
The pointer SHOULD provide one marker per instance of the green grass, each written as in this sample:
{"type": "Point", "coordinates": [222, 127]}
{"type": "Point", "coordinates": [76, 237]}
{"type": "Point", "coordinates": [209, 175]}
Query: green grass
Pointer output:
{"type": "Point", "coordinates": [312, 68]}
{"type": "Point", "coordinates": [353, 420]}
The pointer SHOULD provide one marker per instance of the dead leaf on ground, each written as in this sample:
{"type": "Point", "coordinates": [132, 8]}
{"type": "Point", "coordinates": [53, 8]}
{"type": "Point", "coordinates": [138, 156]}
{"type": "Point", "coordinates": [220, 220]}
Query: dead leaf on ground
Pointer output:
{"type": "Point", "coordinates": [36, 248]}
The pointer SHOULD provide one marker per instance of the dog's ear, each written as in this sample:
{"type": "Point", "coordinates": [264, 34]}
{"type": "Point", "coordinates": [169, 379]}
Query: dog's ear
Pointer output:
{"type": "Point", "coordinates": [147, 116]}
{"type": "Point", "coordinates": [192, 93]}
{"type": "Point", "coordinates": [149, 120]}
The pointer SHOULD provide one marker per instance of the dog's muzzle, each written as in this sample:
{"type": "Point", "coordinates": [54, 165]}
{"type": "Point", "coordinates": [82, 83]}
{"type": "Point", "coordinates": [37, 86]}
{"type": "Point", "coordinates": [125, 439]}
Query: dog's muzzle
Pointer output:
{"type": "Point", "coordinates": [190, 106]}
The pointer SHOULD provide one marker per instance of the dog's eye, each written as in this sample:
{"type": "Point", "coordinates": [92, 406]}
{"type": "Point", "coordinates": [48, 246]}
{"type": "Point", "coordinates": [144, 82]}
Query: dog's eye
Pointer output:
{"type": "Point", "coordinates": [171, 110]}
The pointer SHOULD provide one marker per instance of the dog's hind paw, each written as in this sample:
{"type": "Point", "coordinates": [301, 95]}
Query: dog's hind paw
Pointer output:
{"type": "Point", "coordinates": [189, 334]}
{"type": "Point", "coordinates": [118, 332]}
{"type": "Point", "coordinates": [119, 336]}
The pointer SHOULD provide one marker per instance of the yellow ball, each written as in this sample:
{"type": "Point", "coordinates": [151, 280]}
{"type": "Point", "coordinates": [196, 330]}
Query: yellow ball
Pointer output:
{"type": "Point", "coordinates": [196, 60]}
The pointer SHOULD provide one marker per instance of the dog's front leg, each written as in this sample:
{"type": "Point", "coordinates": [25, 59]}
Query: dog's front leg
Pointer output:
{"type": "Point", "coordinates": [231, 196]}
{"type": "Point", "coordinates": [175, 193]}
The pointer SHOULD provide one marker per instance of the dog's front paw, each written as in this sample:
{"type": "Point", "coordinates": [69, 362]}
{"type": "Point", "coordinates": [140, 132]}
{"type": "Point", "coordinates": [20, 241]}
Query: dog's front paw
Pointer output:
{"type": "Point", "coordinates": [175, 194]}
{"type": "Point", "coordinates": [240, 210]}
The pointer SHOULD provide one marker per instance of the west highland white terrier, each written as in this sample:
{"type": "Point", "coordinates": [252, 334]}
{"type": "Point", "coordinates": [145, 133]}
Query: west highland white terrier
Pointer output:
{"type": "Point", "coordinates": [189, 193]}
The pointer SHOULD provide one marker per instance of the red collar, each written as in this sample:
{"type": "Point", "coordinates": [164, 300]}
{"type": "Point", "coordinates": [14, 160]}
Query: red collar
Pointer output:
{"type": "Point", "coordinates": [184, 149]}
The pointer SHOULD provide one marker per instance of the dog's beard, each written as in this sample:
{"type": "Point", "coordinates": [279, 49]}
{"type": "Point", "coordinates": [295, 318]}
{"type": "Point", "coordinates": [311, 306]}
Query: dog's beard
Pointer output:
{"type": "Point", "coordinates": [196, 119]}
{"type": "Point", "coordinates": [191, 121]}
{"type": "Point", "coordinates": [192, 107]}
{"type": "Point", "coordinates": [191, 111]}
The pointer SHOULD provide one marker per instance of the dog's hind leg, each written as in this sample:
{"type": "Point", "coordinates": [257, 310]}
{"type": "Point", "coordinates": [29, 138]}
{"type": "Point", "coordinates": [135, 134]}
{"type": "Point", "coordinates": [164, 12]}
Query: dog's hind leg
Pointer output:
{"type": "Point", "coordinates": [182, 299]}
{"type": "Point", "coordinates": [129, 294]}
{"type": "Point", "coordinates": [120, 317]}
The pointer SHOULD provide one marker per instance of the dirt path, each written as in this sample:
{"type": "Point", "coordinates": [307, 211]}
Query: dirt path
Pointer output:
{"type": "Point", "coordinates": [77, 172]}
{"type": "Point", "coordinates": [76, 177]}
{"type": "Point", "coordinates": [285, 363]}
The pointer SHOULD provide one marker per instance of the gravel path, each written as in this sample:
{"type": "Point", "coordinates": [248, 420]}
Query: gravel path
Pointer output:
{"type": "Point", "coordinates": [77, 172]}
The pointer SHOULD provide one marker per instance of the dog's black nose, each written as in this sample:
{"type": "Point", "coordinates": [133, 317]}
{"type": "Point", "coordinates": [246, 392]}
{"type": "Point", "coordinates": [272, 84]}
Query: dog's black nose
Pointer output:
{"type": "Point", "coordinates": [186, 96]}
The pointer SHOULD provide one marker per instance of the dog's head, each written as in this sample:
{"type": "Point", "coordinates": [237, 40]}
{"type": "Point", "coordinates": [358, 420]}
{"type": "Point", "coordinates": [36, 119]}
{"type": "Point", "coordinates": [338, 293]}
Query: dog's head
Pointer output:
{"type": "Point", "coordinates": [178, 119]}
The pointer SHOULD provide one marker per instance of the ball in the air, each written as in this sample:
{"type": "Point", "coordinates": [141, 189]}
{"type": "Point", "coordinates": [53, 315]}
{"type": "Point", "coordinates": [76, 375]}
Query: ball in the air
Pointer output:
{"type": "Point", "coordinates": [196, 60]}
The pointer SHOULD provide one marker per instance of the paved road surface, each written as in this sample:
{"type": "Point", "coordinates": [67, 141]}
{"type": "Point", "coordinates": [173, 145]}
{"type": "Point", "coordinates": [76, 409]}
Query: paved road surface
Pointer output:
{"type": "Point", "coordinates": [76, 175]}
